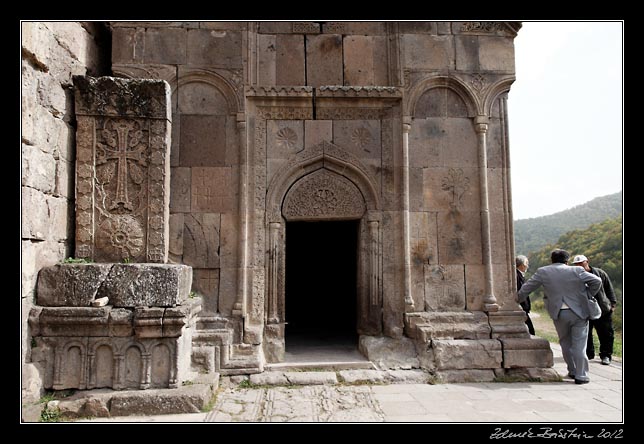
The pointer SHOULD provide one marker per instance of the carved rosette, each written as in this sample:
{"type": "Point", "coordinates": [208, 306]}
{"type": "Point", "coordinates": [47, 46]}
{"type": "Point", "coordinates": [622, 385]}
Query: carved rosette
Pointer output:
{"type": "Point", "coordinates": [322, 195]}
{"type": "Point", "coordinates": [122, 169]}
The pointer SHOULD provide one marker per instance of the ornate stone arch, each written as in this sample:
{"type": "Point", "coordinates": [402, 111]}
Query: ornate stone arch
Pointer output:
{"type": "Point", "coordinates": [440, 81]}
{"type": "Point", "coordinates": [496, 89]}
{"type": "Point", "coordinates": [326, 156]}
{"type": "Point", "coordinates": [215, 80]}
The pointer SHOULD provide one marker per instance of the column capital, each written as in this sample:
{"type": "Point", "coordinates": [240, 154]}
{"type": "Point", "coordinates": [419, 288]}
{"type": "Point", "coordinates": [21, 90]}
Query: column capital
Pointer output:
{"type": "Point", "coordinates": [481, 123]}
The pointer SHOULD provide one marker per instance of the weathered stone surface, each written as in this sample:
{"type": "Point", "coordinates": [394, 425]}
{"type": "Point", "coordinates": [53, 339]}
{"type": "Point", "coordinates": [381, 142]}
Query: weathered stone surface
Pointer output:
{"type": "Point", "coordinates": [71, 321]}
{"type": "Point", "coordinates": [212, 190]}
{"type": "Point", "coordinates": [509, 323]}
{"type": "Point", "coordinates": [469, 375]}
{"type": "Point", "coordinates": [459, 237]}
{"type": "Point", "coordinates": [444, 287]}
{"type": "Point", "coordinates": [467, 354]}
{"type": "Point", "coordinates": [35, 223]}
{"type": "Point", "coordinates": [222, 49]}
{"type": "Point", "coordinates": [360, 137]}
{"type": "Point", "coordinates": [532, 352]}
{"type": "Point", "coordinates": [407, 376]}
{"type": "Point", "coordinates": [389, 353]}
{"type": "Point", "coordinates": [269, 378]}
{"type": "Point", "coordinates": [165, 45]}
{"type": "Point", "coordinates": [176, 237]}
{"type": "Point", "coordinates": [324, 60]}
{"type": "Point", "coordinates": [284, 138]}
{"type": "Point", "coordinates": [203, 140]}
{"type": "Point", "coordinates": [201, 240]}
{"type": "Point", "coordinates": [128, 45]}
{"type": "Point", "coordinates": [428, 326]}
{"type": "Point", "coordinates": [71, 285]}
{"type": "Point", "coordinates": [467, 52]}
{"type": "Point", "coordinates": [496, 54]}
{"type": "Point", "coordinates": [310, 378]}
{"type": "Point", "coordinates": [359, 60]}
{"type": "Point", "coordinates": [362, 376]}
{"type": "Point", "coordinates": [198, 97]}
{"type": "Point", "coordinates": [180, 190]}
{"type": "Point", "coordinates": [38, 169]}
{"type": "Point", "coordinates": [427, 52]}
{"type": "Point", "coordinates": [317, 131]}
{"type": "Point", "coordinates": [531, 373]}
{"type": "Point", "coordinates": [417, 27]}
{"type": "Point", "coordinates": [153, 285]}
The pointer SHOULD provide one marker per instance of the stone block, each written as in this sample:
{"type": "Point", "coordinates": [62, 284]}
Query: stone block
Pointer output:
{"type": "Point", "coordinates": [311, 378]}
{"type": "Point", "coordinates": [317, 131]}
{"type": "Point", "coordinates": [216, 48]}
{"type": "Point", "coordinates": [275, 28]}
{"type": "Point", "coordinates": [52, 96]}
{"type": "Point", "coordinates": [361, 28]}
{"type": "Point", "coordinates": [76, 322]}
{"type": "Point", "coordinates": [128, 45]}
{"type": "Point", "coordinates": [180, 189]}
{"type": "Point", "coordinates": [198, 97]}
{"type": "Point", "coordinates": [189, 399]}
{"type": "Point", "coordinates": [201, 240]}
{"type": "Point", "coordinates": [407, 376]}
{"type": "Point", "coordinates": [224, 26]}
{"type": "Point", "coordinates": [227, 290]}
{"type": "Point", "coordinates": [269, 378]}
{"type": "Point", "coordinates": [229, 240]}
{"type": "Point", "coordinates": [152, 285]}
{"type": "Point", "coordinates": [202, 140]}
{"type": "Point", "coordinates": [324, 59]}
{"type": "Point", "coordinates": [423, 238]}
{"type": "Point", "coordinates": [389, 353]}
{"type": "Point", "coordinates": [532, 352]}
{"type": "Point", "coordinates": [35, 223]}
{"type": "Point", "coordinates": [467, 354]}
{"type": "Point", "coordinates": [70, 285]}
{"type": "Point", "coordinates": [165, 45]}
{"type": "Point", "coordinates": [148, 322]}
{"type": "Point", "coordinates": [38, 169]}
{"type": "Point", "coordinates": [266, 59]}
{"type": "Point", "coordinates": [213, 190]}
{"type": "Point", "coordinates": [444, 28]}
{"type": "Point", "coordinates": [360, 137]}
{"type": "Point", "coordinates": [531, 374]}
{"type": "Point", "coordinates": [496, 145]}
{"type": "Point", "coordinates": [358, 60]}
{"type": "Point", "coordinates": [459, 237]}
{"type": "Point", "coordinates": [496, 54]}
{"type": "Point", "coordinates": [284, 138]}
{"type": "Point", "coordinates": [474, 286]}
{"type": "Point", "coordinates": [421, 51]}
{"type": "Point", "coordinates": [121, 322]}
{"type": "Point", "coordinates": [290, 68]}
{"type": "Point", "coordinates": [444, 287]}
{"type": "Point", "coordinates": [467, 52]}
{"type": "Point", "coordinates": [175, 144]}
{"type": "Point", "coordinates": [362, 376]}
{"type": "Point", "coordinates": [467, 375]}
{"type": "Point", "coordinates": [65, 172]}
{"type": "Point", "coordinates": [417, 28]}
{"type": "Point", "coordinates": [60, 216]}
{"type": "Point", "coordinates": [429, 326]}
{"type": "Point", "coordinates": [176, 235]}
{"type": "Point", "coordinates": [206, 283]}
{"type": "Point", "coordinates": [509, 322]}
{"type": "Point", "coordinates": [176, 318]}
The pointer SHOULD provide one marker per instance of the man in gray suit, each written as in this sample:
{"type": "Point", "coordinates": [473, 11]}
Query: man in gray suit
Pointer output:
{"type": "Point", "coordinates": [566, 290]}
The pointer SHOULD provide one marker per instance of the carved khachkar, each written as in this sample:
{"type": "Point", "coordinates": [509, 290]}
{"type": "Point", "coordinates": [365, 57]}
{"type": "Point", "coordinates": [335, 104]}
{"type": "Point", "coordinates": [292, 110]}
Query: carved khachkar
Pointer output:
{"type": "Point", "coordinates": [122, 169]}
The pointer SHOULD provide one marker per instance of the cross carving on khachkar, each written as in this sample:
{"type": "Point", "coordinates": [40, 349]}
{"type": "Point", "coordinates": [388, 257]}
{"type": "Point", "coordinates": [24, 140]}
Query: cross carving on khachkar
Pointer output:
{"type": "Point", "coordinates": [122, 169]}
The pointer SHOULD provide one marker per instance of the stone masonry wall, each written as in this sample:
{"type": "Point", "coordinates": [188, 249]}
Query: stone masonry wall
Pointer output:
{"type": "Point", "coordinates": [52, 52]}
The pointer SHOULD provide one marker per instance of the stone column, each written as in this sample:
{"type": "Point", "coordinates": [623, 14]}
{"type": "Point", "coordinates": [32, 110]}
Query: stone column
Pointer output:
{"type": "Point", "coordinates": [409, 301]}
{"type": "Point", "coordinates": [119, 372]}
{"type": "Point", "coordinates": [91, 365]}
{"type": "Point", "coordinates": [274, 258]}
{"type": "Point", "coordinates": [489, 300]}
{"type": "Point", "coordinates": [239, 308]}
{"type": "Point", "coordinates": [147, 370]}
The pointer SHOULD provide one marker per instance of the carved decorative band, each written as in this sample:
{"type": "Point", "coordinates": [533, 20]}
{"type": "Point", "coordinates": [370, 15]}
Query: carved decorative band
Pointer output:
{"type": "Point", "coordinates": [279, 91]}
{"type": "Point", "coordinates": [359, 91]}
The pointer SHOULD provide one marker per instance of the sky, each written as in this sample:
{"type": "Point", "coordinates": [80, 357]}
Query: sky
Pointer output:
{"type": "Point", "coordinates": [565, 115]}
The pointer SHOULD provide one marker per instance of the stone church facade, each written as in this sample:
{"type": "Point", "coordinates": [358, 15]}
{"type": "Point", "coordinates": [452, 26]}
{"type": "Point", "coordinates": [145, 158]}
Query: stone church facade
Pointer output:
{"type": "Point", "coordinates": [316, 176]}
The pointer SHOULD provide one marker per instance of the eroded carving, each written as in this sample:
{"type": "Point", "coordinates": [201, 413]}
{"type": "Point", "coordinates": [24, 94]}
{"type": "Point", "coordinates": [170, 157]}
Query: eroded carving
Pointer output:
{"type": "Point", "coordinates": [457, 184]}
{"type": "Point", "coordinates": [482, 27]}
{"type": "Point", "coordinates": [361, 137]}
{"type": "Point", "coordinates": [323, 194]}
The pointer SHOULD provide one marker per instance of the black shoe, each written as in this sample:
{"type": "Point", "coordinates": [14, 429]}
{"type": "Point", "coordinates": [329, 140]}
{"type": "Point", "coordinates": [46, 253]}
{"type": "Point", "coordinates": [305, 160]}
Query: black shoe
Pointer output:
{"type": "Point", "coordinates": [581, 381]}
{"type": "Point", "coordinates": [571, 376]}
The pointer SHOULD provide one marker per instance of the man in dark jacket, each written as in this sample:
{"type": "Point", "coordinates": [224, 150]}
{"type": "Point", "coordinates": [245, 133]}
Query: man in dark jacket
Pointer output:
{"type": "Point", "coordinates": [603, 325]}
{"type": "Point", "coordinates": [522, 266]}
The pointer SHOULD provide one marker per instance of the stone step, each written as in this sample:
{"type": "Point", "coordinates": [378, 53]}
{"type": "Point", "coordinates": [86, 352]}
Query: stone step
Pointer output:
{"type": "Point", "coordinates": [191, 397]}
{"type": "Point", "coordinates": [425, 326]}
{"type": "Point", "coordinates": [351, 377]}
{"type": "Point", "coordinates": [332, 366]}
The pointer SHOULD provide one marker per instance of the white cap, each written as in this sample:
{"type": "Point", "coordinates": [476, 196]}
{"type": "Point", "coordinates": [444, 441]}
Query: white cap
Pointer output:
{"type": "Point", "coordinates": [579, 258]}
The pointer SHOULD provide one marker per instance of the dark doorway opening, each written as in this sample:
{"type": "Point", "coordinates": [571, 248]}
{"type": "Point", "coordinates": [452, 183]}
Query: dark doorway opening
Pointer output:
{"type": "Point", "coordinates": [321, 283]}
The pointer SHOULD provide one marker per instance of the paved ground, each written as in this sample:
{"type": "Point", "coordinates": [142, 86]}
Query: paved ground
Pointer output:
{"type": "Point", "coordinates": [600, 401]}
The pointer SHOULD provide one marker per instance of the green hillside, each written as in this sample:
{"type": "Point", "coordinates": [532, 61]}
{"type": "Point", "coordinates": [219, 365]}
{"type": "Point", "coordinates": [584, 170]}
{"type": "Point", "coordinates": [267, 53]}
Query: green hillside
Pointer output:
{"type": "Point", "coordinates": [601, 243]}
{"type": "Point", "coordinates": [533, 234]}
